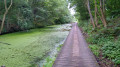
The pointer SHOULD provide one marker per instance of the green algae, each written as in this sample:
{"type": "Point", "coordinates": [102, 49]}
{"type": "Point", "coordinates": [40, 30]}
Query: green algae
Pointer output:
{"type": "Point", "coordinates": [25, 49]}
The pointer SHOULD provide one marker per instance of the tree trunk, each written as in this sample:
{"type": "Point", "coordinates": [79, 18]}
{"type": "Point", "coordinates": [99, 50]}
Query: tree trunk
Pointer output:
{"type": "Point", "coordinates": [102, 14]}
{"type": "Point", "coordinates": [103, 6]}
{"type": "Point", "coordinates": [3, 20]}
{"type": "Point", "coordinates": [4, 16]}
{"type": "Point", "coordinates": [99, 16]}
{"type": "Point", "coordinates": [96, 13]}
{"type": "Point", "coordinates": [91, 17]}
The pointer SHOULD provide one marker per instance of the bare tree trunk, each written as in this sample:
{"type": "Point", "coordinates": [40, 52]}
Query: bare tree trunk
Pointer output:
{"type": "Point", "coordinates": [4, 16]}
{"type": "Point", "coordinates": [96, 13]}
{"type": "Point", "coordinates": [102, 14]}
{"type": "Point", "coordinates": [91, 17]}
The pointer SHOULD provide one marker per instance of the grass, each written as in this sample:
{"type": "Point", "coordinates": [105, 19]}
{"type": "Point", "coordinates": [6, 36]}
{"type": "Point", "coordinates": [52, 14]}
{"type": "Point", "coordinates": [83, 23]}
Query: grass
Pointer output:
{"type": "Point", "coordinates": [25, 49]}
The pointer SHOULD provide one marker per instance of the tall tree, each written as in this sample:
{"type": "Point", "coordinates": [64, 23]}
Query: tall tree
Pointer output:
{"type": "Point", "coordinates": [102, 14]}
{"type": "Point", "coordinates": [96, 21]}
{"type": "Point", "coordinates": [91, 17]}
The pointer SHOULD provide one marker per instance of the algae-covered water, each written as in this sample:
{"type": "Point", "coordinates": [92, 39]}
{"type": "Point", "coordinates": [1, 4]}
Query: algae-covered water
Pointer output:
{"type": "Point", "coordinates": [26, 49]}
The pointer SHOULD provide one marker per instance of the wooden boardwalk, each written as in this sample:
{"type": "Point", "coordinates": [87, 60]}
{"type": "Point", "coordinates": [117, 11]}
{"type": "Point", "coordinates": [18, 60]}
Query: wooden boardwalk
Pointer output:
{"type": "Point", "coordinates": [75, 52]}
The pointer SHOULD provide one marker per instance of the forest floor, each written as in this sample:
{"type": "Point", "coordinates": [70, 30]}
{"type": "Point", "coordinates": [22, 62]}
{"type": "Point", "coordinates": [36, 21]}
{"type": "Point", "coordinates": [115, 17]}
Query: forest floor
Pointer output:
{"type": "Point", "coordinates": [75, 52]}
{"type": "Point", "coordinates": [26, 49]}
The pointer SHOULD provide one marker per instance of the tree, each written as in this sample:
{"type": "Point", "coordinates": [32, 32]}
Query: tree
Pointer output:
{"type": "Point", "coordinates": [80, 8]}
{"type": "Point", "coordinates": [96, 21]}
{"type": "Point", "coordinates": [4, 16]}
{"type": "Point", "coordinates": [91, 17]}
{"type": "Point", "coordinates": [102, 14]}
{"type": "Point", "coordinates": [27, 14]}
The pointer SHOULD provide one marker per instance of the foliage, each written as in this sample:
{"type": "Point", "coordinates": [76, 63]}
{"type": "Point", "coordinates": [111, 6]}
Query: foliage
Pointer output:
{"type": "Point", "coordinates": [81, 9]}
{"type": "Point", "coordinates": [100, 9]}
{"type": "Point", "coordinates": [112, 51]}
{"type": "Point", "coordinates": [49, 62]}
{"type": "Point", "coordinates": [95, 49]}
{"type": "Point", "coordinates": [113, 8]}
{"type": "Point", "coordinates": [27, 14]}
{"type": "Point", "coordinates": [59, 48]}
{"type": "Point", "coordinates": [105, 39]}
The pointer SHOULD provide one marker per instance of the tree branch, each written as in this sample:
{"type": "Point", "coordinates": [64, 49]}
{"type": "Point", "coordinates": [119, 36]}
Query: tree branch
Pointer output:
{"type": "Point", "coordinates": [10, 4]}
{"type": "Point", "coordinates": [5, 4]}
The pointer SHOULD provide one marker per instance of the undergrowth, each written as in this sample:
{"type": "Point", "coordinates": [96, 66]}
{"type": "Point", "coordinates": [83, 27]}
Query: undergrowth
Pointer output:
{"type": "Point", "coordinates": [105, 40]}
{"type": "Point", "coordinates": [50, 60]}
{"type": "Point", "coordinates": [95, 49]}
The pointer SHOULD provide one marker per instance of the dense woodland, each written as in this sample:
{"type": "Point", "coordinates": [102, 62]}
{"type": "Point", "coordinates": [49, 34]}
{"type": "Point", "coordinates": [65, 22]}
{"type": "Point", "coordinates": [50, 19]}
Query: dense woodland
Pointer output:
{"type": "Point", "coordinates": [19, 15]}
{"type": "Point", "coordinates": [100, 21]}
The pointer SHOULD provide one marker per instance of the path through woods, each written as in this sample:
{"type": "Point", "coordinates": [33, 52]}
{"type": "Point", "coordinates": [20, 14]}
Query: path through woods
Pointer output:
{"type": "Point", "coordinates": [75, 52]}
